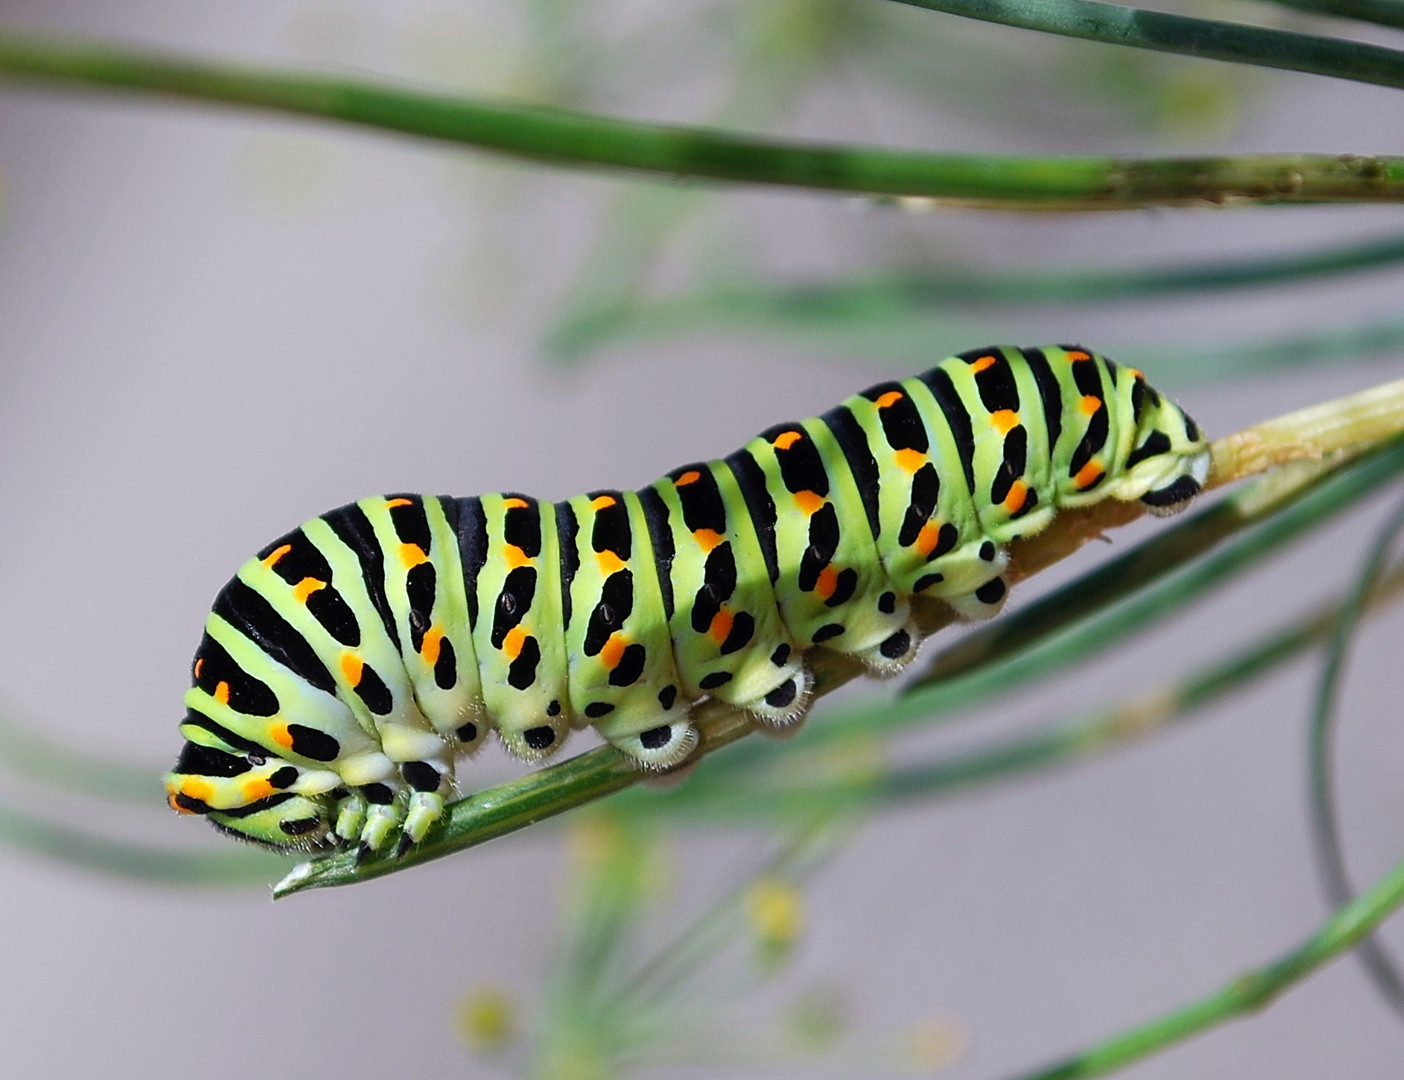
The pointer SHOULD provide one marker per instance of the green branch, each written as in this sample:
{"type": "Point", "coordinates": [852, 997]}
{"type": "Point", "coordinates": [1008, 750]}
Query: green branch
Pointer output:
{"type": "Point", "coordinates": [1325, 825]}
{"type": "Point", "coordinates": [72, 769]}
{"type": "Point", "coordinates": [1345, 426]}
{"type": "Point", "coordinates": [812, 780]}
{"type": "Point", "coordinates": [1208, 39]}
{"type": "Point", "coordinates": [1094, 613]}
{"type": "Point", "coordinates": [582, 140]}
{"type": "Point", "coordinates": [1248, 993]}
{"type": "Point", "coordinates": [1317, 346]}
{"type": "Point", "coordinates": [145, 864]}
{"type": "Point", "coordinates": [1161, 576]}
{"type": "Point", "coordinates": [884, 305]}
{"type": "Point", "coordinates": [1380, 12]}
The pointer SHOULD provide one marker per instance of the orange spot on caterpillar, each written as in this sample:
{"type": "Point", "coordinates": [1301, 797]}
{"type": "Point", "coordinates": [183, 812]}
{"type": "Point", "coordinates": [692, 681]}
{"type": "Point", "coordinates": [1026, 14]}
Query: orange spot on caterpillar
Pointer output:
{"type": "Point", "coordinates": [827, 583]}
{"type": "Point", "coordinates": [1018, 495]}
{"type": "Point", "coordinates": [352, 666]}
{"type": "Point", "coordinates": [221, 693]}
{"type": "Point", "coordinates": [613, 651]}
{"type": "Point", "coordinates": [1087, 475]}
{"type": "Point", "coordinates": [928, 538]}
{"type": "Point", "coordinates": [602, 502]}
{"type": "Point", "coordinates": [786, 439]}
{"type": "Point", "coordinates": [610, 563]}
{"type": "Point", "coordinates": [515, 503]}
{"type": "Point", "coordinates": [412, 555]}
{"type": "Point", "coordinates": [707, 539]}
{"type": "Point", "coordinates": [720, 628]}
{"type": "Point", "coordinates": [306, 587]}
{"type": "Point", "coordinates": [808, 501]}
{"type": "Point", "coordinates": [909, 460]}
{"type": "Point", "coordinates": [1077, 354]}
{"type": "Point", "coordinates": [689, 477]}
{"type": "Point", "coordinates": [199, 664]}
{"type": "Point", "coordinates": [271, 559]}
{"type": "Point", "coordinates": [982, 363]}
{"type": "Point", "coordinates": [513, 642]}
{"type": "Point", "coordinates": [514, 556]}
{"type": "Point", "coordinates": [281, 736]}
{"type": "Point", "coordinates": [1004, 421]}
{"type": "Point", "coordinates": [253, 790]}
{"type": "Point", "coordinates": [195, 787]}
{"type": "Point", "coordinates": [429, 647]}
{"type": "Point", "coordinates": [392, 503]}
{"type": "Point", "coordinates": [889, 399]}
{"type": "Point", "coordinates": [1089, 404]}
{"type": "Point", "coordinates": [1135, 373]}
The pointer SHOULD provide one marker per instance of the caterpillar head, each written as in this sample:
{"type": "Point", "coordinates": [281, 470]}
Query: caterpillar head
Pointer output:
{"type": "Point", "coordinates": [1169, 459]}
{"type": "Point", "coordinates": [252, 794]}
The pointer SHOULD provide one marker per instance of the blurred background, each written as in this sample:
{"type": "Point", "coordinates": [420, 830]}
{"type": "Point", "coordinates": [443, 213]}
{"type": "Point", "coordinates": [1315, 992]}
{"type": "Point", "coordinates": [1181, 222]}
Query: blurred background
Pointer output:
{"type": "Point", "coordinates": [215, 324]}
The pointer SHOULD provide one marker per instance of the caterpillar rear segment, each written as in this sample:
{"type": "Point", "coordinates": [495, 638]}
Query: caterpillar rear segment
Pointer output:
{"type": "Point", "coordinates": [352, 662]}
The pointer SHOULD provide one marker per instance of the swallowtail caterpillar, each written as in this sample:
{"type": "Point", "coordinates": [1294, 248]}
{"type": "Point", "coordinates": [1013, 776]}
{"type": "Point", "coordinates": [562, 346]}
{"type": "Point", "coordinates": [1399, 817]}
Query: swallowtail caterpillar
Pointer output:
{"type": "Point", "coordinates": [349, 664]}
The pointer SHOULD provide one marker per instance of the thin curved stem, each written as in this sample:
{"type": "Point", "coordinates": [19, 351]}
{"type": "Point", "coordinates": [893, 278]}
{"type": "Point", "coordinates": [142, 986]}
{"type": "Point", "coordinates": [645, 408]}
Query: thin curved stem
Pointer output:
{"type": "Point", "coordinates": [1209, 39]}
{"type": "Point", "coordinates": [582, 140]}
{"type": "Point", "coordinates": [1250, 992]}
{"type": "Point", "coordinates": [142, 863]}
{"type": "Point", "coordinates": [1325, 822]}
{"type": "Point", "coordinates": [1379, 12]}
{"type": "Point", "coordinates": [81, 772]}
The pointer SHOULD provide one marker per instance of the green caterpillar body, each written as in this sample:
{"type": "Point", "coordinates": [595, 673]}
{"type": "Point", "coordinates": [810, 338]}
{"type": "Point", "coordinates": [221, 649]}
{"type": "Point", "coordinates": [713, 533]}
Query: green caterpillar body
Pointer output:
{"type": "Point", "coordinates": [346, 667]}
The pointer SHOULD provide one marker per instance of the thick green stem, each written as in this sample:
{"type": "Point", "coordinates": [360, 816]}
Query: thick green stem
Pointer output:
{"type": "Point", "coordinates": [1208, 39]}
{"type": "Point", "coordinates": [1343, 427]}
{"type": "Point", "coordinates": [1338, 429]}
{"type": "Point", "coordinates": [821, 779]}
{"type": "Point", "coordinates": [1092, 614]}
{"type": "Point", "coordinates": [1248, 993]}
{"type": "Point", "coordinates": [582, 140]}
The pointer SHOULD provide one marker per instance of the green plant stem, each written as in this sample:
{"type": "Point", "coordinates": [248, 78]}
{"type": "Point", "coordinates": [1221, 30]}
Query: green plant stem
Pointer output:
{"type": "Point", "coordinates": [1315, 347]}
{"type": "Point", "coordinates": [664, 974]}
{"type": "Point", "coordinates": [769, 76]}
{"type": "Point", "coordinates": [807, 780]}
{"type": "Point", "coordinates": [81, 772]}
{"type": "Point", "coordinates": [142, 863]}
{"type": "Point", "coordinates": [1208, 39]}
{"type": "Point", "coordinates": [877, 303]}
{"type": "Point", "coordinates": [1379, 12]}
{"type": "Point", "coordinates": [1325, 823]}
{"type": "Point", "coordinates": [1065, 628]}
{"type": "Point", "coordinates": [601, 772]}
{"type": "Point", "coordinates": [1156, 577]}
{"type": "Point", "coordinates": [1060, 286]}
{"type": "Point", "coordinates": [1248, 993]}
{"type": "Point", "coordinates": [583, 140]}
{"type": "Point", "coordinates": [1340, 429]}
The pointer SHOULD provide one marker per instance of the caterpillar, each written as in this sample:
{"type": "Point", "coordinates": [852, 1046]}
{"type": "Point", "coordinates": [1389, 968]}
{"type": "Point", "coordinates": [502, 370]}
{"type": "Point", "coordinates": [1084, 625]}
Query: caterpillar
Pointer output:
{"type": "Point", "coordinates": [347, 666]}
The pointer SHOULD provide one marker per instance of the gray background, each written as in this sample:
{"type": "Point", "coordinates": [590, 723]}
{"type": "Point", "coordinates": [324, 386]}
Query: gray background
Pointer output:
{"type": "Point", "coordinates": [214, 325]}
